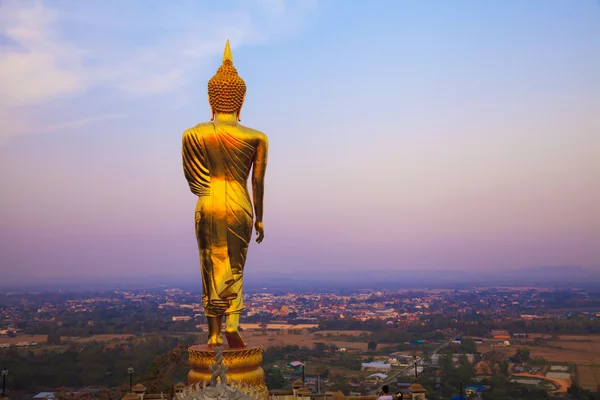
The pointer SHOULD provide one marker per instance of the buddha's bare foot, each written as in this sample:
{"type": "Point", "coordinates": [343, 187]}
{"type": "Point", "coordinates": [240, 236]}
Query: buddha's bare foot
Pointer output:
{"type": "Point", "coordinates": [215, 340]}
{"type": "Point", "coordinates": [232, 333]}
{"type": "Point", "coordinates": [234, 339]}
{"type": "Point", "coordinates": [214, 331]}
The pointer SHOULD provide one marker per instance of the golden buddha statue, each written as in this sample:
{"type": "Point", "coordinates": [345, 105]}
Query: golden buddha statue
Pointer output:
{"type": "Point", "coordinates": [217, 159]}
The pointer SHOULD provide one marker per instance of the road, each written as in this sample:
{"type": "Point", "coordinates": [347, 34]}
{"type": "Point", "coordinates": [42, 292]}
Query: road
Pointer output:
{"type": "Point", "coordinates": [391, 379]}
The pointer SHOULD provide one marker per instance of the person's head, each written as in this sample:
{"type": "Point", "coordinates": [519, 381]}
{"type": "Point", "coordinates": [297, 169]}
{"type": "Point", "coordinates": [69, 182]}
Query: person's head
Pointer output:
{"type": "Point", "coordinates": [385, 389]}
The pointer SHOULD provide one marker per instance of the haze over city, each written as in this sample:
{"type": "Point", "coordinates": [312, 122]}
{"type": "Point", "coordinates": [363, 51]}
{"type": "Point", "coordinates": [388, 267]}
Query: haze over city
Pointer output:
{"type": "Point", "coordinates": [404, 136]}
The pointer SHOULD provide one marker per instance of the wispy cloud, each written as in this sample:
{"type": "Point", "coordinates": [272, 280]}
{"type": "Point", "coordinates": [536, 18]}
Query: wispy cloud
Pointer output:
{"type": "Point", "coordinates": [128, 49]}
{"type": "Point", "coordinates": [79, 122]}
{"type": "Point", "coordinates": [35, 65]}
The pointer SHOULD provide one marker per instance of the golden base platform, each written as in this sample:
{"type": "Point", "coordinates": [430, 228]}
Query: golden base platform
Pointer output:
{"type": "Point", "coordinates": [244, 365]}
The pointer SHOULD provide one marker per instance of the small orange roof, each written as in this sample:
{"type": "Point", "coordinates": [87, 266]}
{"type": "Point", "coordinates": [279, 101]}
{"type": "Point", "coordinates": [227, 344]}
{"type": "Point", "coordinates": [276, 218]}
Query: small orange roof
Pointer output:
{"type": "Point", "coordinates": [339, 395]}
{"type": "Point", "coordinates": [297, 384]}
{"type": "Point", "coordinates": [417, 388]}
{"type": "Point", "coordinates": [131, 396]}
{"type": "Point", "coordinates": [139, 388]}
{"type": "Point", "coordinates": [303, 390]}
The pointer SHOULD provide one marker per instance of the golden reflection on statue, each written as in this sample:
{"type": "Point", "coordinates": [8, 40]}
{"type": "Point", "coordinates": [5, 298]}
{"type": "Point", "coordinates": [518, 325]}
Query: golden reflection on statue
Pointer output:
{"type": "Point", "coordinates": [217, 159]}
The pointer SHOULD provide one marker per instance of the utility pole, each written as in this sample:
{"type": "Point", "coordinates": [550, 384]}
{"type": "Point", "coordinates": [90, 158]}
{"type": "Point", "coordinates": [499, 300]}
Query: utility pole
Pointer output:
{"type": "Point", "coordinates": [318, 383]}
{"type": "Point", "coordinates": [130, 372]}
{"type": "Point", "coordinates": [416, 372]}
{"type": "Point", "coordinates": [4, 373]}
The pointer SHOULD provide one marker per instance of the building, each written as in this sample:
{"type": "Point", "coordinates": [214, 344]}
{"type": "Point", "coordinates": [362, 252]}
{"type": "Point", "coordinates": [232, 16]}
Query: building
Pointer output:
{"type": "Point", "coordinates": [378, 376]}
{"type": "Point", "coordinates": [474, 390]}
{"type": "Point", "coordinates": [417, 392]}
{"type": "Point", "coordinates": [499, 334]}
{"type": "Point", "coordinates": [44, 396]}
{"type": "Point", "coordinates": [376, 366]}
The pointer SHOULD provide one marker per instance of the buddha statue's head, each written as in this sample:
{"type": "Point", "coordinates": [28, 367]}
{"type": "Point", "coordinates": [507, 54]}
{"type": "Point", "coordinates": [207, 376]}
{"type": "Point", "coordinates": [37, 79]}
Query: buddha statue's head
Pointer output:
{"type": "Point", "coordinates": [226, 90]}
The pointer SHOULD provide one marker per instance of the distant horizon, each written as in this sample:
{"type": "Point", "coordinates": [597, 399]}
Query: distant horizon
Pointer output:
{"type": "Point", "coordinates": [539, 277]}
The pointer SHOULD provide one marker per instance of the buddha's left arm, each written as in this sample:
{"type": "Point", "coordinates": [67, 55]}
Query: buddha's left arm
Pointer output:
{"type": "Point", "coordinates": [194, 164]}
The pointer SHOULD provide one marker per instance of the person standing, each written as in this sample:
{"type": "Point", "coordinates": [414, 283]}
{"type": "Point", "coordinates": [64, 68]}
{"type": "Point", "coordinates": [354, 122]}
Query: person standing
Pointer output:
{"type": "Point", "coordinates": [384, 394]}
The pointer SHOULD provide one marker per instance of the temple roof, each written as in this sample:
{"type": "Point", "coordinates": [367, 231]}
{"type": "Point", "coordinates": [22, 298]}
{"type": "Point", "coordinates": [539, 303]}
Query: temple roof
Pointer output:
{"type": "Point", "coordinates": [303, 390]}
{"type": "Point", "coordinates": [339, 395]}
{"type": "Point", "coordinates": [417, 388]}
{"type": "Point", "coordinates": [131, 396]}
{"type": "Point", "coordinates": [139, 388]}
{"type": "Point", "coordinates": [297, 384]}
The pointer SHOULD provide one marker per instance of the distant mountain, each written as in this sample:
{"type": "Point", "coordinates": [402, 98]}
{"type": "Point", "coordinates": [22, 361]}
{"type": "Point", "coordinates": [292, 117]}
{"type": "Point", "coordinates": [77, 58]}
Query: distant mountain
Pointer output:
{"type": "Point", "coordinates": [552, 276]}
{"type": "Point", "coordinates": [565, 276]}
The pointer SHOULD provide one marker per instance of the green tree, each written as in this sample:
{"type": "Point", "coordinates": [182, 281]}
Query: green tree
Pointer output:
{"type": "Point", "coordinates": [575, 392]}
{"type": "Point", "coordinates": [323, 371]}
{"type": "Point", "coordinates": [538, 361]}
{"type": "Point", "coordinates": [161, 373]}
{"type": "Point", "coordinates": [503, 367]}
{"type": "Point", "coordinates": [341, 386]}
{"type": "Point", "coordinates": [53, 338]}
{"type": "Point", "coordinates": [65, 394]}
{"type": "Point", "coordinates": [372, 345]}
{"type": "Point", "coordinates": [446, 364]}
{"type": "Point", "coordinates": [521, 355]}
{"type": "Point", "coordinates": [263, 327]}
{"type": "Point", "coordinates": [275, 379]}
{"type": "Point", "coordinates": [469, 346]}
{"type": "Point", "coordinates": [320, 347]}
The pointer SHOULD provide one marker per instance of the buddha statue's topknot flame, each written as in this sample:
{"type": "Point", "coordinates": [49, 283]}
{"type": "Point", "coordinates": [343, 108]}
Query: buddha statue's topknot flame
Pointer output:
{"type": "Point", "coordinates": [226, 89]}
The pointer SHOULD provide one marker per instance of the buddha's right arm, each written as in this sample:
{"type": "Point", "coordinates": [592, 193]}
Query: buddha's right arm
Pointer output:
{"type": "Point", "coordinates": [194, 161]}
{"type": "Point", "coordinates": [258, 176]}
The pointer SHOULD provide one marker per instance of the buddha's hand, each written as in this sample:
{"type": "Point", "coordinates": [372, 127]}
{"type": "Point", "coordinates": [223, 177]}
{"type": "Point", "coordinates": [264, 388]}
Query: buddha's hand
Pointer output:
{"type": "Point", "coordinates": [260, 231]}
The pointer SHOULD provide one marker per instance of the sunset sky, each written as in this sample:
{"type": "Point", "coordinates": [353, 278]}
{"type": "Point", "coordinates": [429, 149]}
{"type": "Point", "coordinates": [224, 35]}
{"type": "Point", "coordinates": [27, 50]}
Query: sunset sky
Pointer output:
{"type": "Point", "coordinates": [404, 134]}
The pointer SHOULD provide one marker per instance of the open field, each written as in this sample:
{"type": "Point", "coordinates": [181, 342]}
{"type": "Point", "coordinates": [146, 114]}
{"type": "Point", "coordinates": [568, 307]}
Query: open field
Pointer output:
{"type": "Point", "coordinates": [561, 385]}
{"type": "Point", "coordinates": [308, 340]}
{"type": "Point", "coordinates": [41, 339]}
{"type": "Point", "coordinates": [23, 338]}
{"type": "Point", "coordinates": [582, 350]}
{"type": "Point", "coordinates": [257, 327]}
{"type": "Point", "coordinates": [589, 376]}
{"type": "Point", "coordinates": [341, 333]}
{"type": "Point", "coordinates": [576, 349]}
{"type": "Point", "coordinates": [278, 326]}
{"type": "Point", "coordinates": [279, 338]}
{"type": "Point", "coordinates": [98, 338]}
{"type": "Point", "coordinates": [283, 338]}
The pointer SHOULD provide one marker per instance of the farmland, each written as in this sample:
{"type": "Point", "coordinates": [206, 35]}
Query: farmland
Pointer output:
{"type": "Point", "coordinates": [41, 339]}
{"type": "Point", "coordinates": [589, 376]}
{"type": "Point", "coordinates": [580, 350]}
{"type": "Point", "coordinates": [23, 338]}
{"type": "Point", "coordinates": [277, 338]}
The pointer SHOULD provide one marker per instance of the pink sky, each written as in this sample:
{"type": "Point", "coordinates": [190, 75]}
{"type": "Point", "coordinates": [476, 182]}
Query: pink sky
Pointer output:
{"type": "Point", "coordinates": [438, 139]}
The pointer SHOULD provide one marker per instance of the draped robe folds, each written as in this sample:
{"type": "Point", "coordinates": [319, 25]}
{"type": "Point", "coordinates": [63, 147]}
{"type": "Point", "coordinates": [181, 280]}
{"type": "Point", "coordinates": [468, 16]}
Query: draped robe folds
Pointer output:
{"type": "Point", "coordinates": [217, 165]}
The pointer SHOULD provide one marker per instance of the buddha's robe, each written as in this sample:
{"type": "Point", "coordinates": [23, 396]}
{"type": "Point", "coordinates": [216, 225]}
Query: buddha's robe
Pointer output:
{"type": "Point", "coordinates": [216, 166]}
